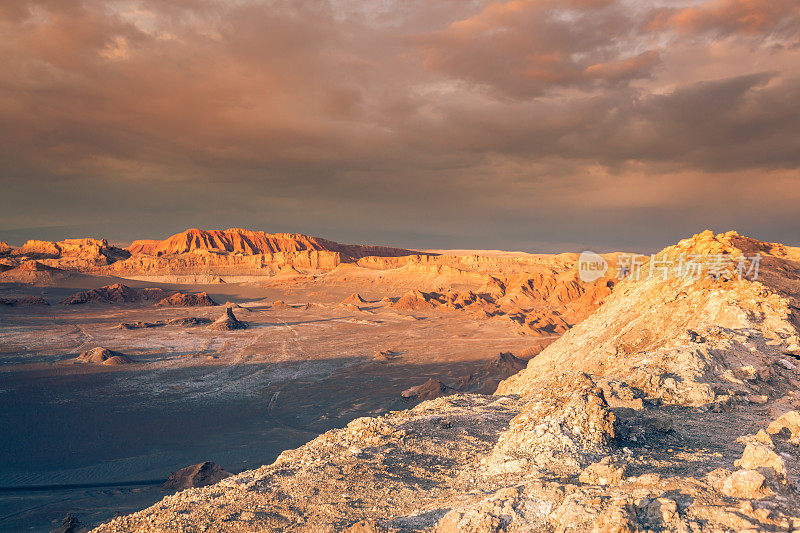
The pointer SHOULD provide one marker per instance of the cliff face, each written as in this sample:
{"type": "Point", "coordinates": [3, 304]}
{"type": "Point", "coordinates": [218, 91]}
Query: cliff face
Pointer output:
{"type": "Point", "coordinates": [78, 254]}
{"type": "Point", "coordinates": [241, 241]}
{"type": "Point", "coordinates": [673, 407]}
{"type": "Point", "coordinates": [206, 262]}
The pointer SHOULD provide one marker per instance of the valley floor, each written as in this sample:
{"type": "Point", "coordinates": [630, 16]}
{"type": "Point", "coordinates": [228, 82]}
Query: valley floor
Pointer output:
{"type": "Point", "coordinates": [97, 440]}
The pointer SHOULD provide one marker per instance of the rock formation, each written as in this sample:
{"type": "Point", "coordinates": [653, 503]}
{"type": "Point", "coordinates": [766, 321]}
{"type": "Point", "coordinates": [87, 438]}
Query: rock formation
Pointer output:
{"type": "Point", "coordinates": [486, 379]}
{"type": "Point", "coordinates": [118, 293]}
{"type": "Point", "coordinates": [387, 355]}
{"type": "Point", "coordinates": [198, 475]}
{"type": "Point", "coordinates": [24, 301]}
{"type": "Point", "coordinates": [686, 342]}
{"type": "Point", "coordinates": [539, 305]}
{"type": "Point", "coordinates": [431, 389]}
{"type": "Point", "coordinates": [234, 305]}
{"type": "Point", "coordinates": [34, 272]}
{"type": "Point", "coordinates": [184, 321]}
{"type": "Point", "coordinates": [179, 299]}
{"type": "Point", "coordinates": [241, 241]}
{"type": "Point", "coordinates": [539, 294]}
{"type": "Point", "coordinates": [227, 322]}
{"type": "Point", "coordinates": [103, 356]}
{"type": "Point", "coordinates": [70, 524]}
{"type": "Point", "coordinates": [354, 299]}
{"type": "Point", "coordinates": [415, 301]}
{"type": "Point", "coordinates": [5, 248]}
{"type": "Point", "coordinates": [74, 253]}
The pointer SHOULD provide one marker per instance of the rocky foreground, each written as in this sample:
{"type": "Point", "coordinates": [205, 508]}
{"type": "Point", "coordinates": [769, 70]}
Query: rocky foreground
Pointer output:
{"type": "Point", "coordinates": [673, 407]}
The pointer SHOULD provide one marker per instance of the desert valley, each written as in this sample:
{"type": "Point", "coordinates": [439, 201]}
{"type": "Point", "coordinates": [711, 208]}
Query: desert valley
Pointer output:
{"type": "Point", "coordinates": [314, 386]}
{"type": "Point", "coordinates": [491, 266]}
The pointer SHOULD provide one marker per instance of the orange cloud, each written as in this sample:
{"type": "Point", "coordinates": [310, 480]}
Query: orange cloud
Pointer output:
{"type": "Point", "coordinates": [753, 17]}
{"type": "Point", "coordinates": [526, 47]}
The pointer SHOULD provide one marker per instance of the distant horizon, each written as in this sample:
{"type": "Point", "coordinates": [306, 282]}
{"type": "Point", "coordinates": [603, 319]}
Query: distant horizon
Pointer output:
{"type": "Point", "coordinates": [654, 247]}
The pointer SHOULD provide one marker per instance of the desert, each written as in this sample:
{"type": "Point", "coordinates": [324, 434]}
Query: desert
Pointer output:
{"type": "Point", "coordinates": [131, 379]}
{"type": "Point", "coordinates": [399, 266]}
{"type": "Point", "coordinates": [404, 391]}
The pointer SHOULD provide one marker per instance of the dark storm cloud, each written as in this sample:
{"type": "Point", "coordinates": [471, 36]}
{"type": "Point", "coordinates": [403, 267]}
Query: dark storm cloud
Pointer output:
{"type": "Point", "coordinates": [331, 115]}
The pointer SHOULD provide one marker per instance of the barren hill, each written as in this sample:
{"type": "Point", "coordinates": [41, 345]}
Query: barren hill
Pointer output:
{"type": "Point", "coordinates": [673, 407]}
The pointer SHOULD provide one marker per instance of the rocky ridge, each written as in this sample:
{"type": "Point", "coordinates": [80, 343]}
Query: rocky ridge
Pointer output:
{"type": "Point", "coordinates": [73, 253]}
{"type": "Point", "coordinates": [245, 242]}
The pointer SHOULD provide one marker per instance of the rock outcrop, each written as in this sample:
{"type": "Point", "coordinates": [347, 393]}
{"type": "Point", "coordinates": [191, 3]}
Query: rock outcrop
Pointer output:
{"type": "Point", "coordinates": [103, 356]}
{"type": "Point", "coordinates": [24, 301]}
{"type": "Point", "coordinates": [33, 272]}
{"type": "Point", "coordinates": [227, 322]}
{"type": "Point", "coordinates": [431, 389]}
{"type": "Point", "coordinates": [691, 342]}
{"type": "Point", "coordinates": [118, 294]}
{"type": "Point", "coordinates": [540, 305]}
{"type": "Point", "coordinates": [183, 321]}
{"type": "Point", "coordinates": [71, 524]}
{"type": "Point", "coordinates": [234, 305]}
{"type": "Point", "coordinates": [354, 299]}
{"type": "Point", "coordinates": [74, 253]}
{"type": "Point", "coordinates": [415, 301]}
{"type": "Point", "coordinates": [787, 424]}
{"type": "Point", "coordinates": [201, 299]}
{"type": "Point", "coordinates": [486, 379]}
{"type": "Point", "coordinates": [198, 475]}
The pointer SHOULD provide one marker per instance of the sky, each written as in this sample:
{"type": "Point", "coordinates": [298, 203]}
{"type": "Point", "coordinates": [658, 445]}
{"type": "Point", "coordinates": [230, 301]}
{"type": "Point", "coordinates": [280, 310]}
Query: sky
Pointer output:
{"type": "Point", "coordinates": [534, 125]}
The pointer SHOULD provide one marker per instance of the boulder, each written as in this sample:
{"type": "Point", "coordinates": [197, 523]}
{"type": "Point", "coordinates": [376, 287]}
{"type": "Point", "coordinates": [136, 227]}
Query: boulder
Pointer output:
{"type": "Point", "coordinates": [748, 484]}
{"type": "Point", "coordinates": [787, 424]}
{"type": "Point", "coordinates": [605, 472]}
{"type": "Point", "coordinates": [758, 456]}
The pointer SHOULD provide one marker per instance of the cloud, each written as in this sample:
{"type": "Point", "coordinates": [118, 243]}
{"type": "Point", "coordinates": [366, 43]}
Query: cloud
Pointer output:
{"type": "Point", "coordinates": [428, 115]}
{"type": "Point", "coordinates": [525, 47]}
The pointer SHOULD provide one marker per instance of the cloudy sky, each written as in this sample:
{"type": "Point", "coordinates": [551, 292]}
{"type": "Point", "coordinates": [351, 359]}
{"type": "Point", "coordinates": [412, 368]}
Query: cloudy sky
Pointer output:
{"type": "Point", "coordinates": [536, 125]}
